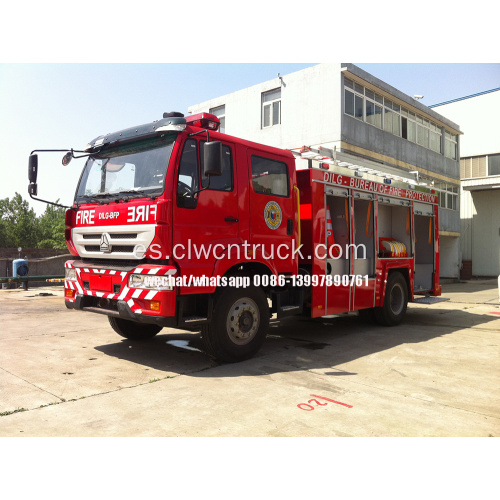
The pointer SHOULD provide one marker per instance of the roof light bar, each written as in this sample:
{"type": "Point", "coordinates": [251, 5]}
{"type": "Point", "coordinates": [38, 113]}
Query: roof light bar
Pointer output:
{"type": "Point", "coordinates": [204, 120]}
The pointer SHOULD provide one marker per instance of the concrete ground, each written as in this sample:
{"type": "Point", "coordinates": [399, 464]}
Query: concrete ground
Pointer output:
{"type": "Point", "coordinates": [66, 373]}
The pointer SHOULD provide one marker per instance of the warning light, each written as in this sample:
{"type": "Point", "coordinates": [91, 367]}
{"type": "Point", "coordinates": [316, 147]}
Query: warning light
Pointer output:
{"type": "Point", "coordinates": [154, 305]}
{"type": "Point", "coordinates": [204, 120]}
{"type": "Point", "coordinates": [69, 293]}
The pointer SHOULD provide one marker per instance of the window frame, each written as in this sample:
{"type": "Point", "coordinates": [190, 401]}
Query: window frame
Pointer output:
{"type": "Point", "coordinates": [271, 104]}
{"type": "Point", "coordinates": [396, 119]}
{"type": "Point", "coordinates": [221, 116]}
{"type": "Point", "coordinates": [275, 161]}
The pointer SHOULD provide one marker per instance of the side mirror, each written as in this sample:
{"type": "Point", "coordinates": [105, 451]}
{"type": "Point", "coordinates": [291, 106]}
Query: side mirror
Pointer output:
{"type": "Point", "coordinates": [67, 158]}
{"type": "Point", "coordinates": [212, 159]}
{"type": "Point", "coordinates": [33, 168]}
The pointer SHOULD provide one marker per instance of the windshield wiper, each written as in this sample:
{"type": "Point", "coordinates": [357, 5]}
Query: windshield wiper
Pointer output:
{"type": "Point", "coordinates": [95, 198]}
{"type": "Point", "coordinates": [138, 191]}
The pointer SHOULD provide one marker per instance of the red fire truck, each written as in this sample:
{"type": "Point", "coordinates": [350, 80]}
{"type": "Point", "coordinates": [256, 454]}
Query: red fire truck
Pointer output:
{"type": "Point", "coordinates": [177, 225]}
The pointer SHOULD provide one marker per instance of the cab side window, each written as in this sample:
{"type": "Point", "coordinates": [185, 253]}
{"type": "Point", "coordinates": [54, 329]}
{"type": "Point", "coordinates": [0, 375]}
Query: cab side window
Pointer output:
{"type": "Point", "coordinates": [269, 176]}
{"type": "Point", "coordinates": [188, 181]}
{"type": "Point", "coordinates": [225, 181]}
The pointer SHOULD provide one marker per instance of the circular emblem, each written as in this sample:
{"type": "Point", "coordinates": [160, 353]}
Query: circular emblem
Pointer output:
{"type": "Point", "coordinates": [272, 215]}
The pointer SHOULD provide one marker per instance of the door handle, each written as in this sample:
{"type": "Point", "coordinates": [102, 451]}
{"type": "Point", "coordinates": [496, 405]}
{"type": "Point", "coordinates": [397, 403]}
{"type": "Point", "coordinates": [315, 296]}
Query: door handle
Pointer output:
{"type": "Point", "coordinates": [231, 219]}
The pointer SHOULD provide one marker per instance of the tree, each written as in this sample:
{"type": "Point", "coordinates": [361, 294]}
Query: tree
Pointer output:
{"type": "Point", "coordinates": [52, 226]}
{"type": "Point", "coordinates": [19, 226]}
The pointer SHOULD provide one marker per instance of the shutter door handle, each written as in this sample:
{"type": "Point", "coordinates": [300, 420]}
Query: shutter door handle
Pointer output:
{"type": "Point", "coordinates": [231, 219]}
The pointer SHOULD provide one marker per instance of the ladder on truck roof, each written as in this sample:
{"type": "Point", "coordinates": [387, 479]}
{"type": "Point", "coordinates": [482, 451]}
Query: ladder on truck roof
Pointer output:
{"type": "Point", "coordinates": [331, 157]}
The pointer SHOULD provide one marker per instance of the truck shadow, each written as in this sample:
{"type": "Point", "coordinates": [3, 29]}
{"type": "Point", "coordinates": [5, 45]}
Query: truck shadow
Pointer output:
{"type": "Point", "coordinates": [298, 344]}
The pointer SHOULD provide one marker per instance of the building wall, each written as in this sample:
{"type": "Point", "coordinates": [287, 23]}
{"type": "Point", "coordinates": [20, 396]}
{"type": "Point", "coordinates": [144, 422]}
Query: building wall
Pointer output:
{"type": "Point", "coordinates": [479, 200]}
{"type": "Point", "coordinates": [312, 114]}
{"type": "Point", "coordinates": [305, 118]}
{"type": "Point", "coordinates": [450, 262]}
{"type": "Point", "coordinates": [477, 117]}
{"type": "Point", "coordinates": [486, 233]}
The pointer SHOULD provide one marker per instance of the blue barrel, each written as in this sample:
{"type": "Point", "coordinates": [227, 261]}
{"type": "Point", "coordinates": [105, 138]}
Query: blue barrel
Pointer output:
{"type": "Point", "coordinates": [19, 268]}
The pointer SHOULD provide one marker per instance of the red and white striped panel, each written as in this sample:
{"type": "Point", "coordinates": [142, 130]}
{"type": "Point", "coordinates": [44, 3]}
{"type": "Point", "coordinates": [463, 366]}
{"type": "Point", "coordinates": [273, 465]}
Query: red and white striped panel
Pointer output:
{"type": "Point", "coordinates": [127, 294]}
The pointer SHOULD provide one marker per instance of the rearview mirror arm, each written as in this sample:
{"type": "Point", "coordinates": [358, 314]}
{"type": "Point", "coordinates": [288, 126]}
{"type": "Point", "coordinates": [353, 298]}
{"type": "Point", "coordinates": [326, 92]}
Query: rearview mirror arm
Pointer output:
{"type": "Point", "coordinates": [55, 151]}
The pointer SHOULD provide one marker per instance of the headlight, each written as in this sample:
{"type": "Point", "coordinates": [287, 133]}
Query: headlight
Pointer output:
{"type": "Point", "coordinates": [151, 282]}
{"type": "Point", "coordinates": [70, 274]}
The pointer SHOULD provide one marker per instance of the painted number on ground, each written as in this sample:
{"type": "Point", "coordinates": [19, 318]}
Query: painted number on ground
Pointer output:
{"type": "Point", "coordinates": [309, 407]}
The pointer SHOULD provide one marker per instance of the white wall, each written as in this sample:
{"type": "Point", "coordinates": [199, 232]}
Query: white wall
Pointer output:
{"type": "Point", "coordinates": [478, 118]}
{"type": "Point", "coordinates": [449, 257]}
{"type": "Point", "coordinates": [486, 233]}
{"type": "Point", "coordinates": [305, 118]}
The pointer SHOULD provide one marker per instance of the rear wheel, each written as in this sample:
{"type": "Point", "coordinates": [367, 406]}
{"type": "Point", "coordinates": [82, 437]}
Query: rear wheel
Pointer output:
{"type": "Point", "coordinates": [239, 324]}
{"type": "Point", "coordinates": [132, 330]}
{"type": "Point", "coordinates": [395, 303]}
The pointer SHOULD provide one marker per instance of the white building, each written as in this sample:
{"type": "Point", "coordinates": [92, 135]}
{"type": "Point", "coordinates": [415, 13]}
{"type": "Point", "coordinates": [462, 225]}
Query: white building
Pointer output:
{"type": "Point", "coordinates": [480, 180]}
{"type": "Point", "coordinates": [341, 106]}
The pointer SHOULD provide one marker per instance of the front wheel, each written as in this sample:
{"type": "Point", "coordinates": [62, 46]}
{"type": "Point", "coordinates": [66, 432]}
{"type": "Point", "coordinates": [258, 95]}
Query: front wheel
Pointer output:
{"type": "Point", "coordinates": [132, 330]}
{"type": "Point", "coordinates": [239, 324]}
{"type": "Point", "coordinates": [395, 302]}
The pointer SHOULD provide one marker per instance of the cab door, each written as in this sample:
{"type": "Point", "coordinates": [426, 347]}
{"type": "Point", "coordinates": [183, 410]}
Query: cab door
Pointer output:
{"type": "Point", "coordinates": [204, 222]}
{"type": "Point", "coordinates": [273, 217]}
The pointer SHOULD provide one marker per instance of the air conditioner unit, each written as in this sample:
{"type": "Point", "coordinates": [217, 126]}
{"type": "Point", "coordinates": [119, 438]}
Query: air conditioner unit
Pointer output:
{"type": "Point", "coordinates": [19, 268]}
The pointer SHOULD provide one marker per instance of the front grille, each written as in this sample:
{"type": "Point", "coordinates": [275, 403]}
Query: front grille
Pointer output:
{"type": "Point", "coordinates": [123, 236]}
{"type": "Point", "coordinates": [117, 236]}
{"type": "Point", "coordinates": [114, 248]}
{"type": "Point", "coordinates": [122, 239]}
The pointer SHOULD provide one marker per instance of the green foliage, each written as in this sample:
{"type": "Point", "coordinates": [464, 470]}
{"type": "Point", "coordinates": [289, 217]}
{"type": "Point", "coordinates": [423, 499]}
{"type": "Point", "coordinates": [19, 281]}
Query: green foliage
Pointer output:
{"type": "Point", "coordinates": [52, 228]}
{"type": "Point", "coordinates": [20, 227]}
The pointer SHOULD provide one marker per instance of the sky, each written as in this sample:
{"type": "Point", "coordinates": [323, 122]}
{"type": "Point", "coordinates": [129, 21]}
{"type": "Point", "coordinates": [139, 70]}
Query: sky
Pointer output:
{"type": "Point", "coordinates": [69, 74]}
{"type": "Point", "coordinates": [65, 105]}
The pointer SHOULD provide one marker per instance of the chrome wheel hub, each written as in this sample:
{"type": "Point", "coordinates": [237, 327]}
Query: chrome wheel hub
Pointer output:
{"type": "Point", "coordinates": [243, 321]}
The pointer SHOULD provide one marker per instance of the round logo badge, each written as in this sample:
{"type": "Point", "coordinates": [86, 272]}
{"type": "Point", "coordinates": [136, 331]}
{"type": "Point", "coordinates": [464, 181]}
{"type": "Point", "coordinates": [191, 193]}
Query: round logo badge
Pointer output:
{"type": "Point", "coordinates": [273, 215]}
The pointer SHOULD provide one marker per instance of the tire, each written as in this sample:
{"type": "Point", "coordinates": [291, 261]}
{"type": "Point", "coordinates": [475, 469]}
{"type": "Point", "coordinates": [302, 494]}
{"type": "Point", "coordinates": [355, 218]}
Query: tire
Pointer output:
{"type": "Point", "coordinates": [132, 330]}
{"type": "Point", "coordinates": [395, 301]}
{"type": "Point", "coordinates": [239, 325]}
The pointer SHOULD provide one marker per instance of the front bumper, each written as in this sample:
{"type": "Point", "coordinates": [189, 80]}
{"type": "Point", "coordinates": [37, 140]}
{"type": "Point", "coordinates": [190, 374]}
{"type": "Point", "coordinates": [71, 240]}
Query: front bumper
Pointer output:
{"type": "Point", "coordinates": [106, 291]}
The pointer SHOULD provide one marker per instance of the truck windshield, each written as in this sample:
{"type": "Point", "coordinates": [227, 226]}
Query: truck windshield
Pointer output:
{"type": "Point", "coordinates": [133, 170]}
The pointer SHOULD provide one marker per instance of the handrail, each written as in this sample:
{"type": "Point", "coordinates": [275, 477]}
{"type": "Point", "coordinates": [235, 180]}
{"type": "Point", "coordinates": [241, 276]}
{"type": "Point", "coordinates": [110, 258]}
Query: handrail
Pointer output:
{"type": "Point", "coordinates": [298, 210]}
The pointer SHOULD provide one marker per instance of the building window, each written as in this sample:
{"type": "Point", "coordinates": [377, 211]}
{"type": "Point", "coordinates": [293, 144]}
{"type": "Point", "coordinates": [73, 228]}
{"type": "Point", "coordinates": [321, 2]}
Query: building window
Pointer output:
{"type": "Point", "coordinates": [448, 195]}
{"type": "Point", "coordinates": [479, 166]}
{"type": "Point", "coordinates": [373, 110]}
{"type": "Point", "coordinates": [435, 138]}
{"type": "Point", "coordinates": [220, 113]}
{"type": "Point", "coordinates": [450, 145]}
{"type": "Point", "coordinates": [271, 108]}
{"type": "Point", "coordinates": [494, 164]}
{"type": "Point", "coordinates": [368, 106]}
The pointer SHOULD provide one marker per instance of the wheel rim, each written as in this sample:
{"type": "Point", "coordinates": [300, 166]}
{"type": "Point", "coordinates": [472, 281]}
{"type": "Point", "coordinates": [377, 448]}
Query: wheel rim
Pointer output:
{"type": "Point", "coordinates": [243, 321]}
{"type": "Point", "coordinates": [397, 299]}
